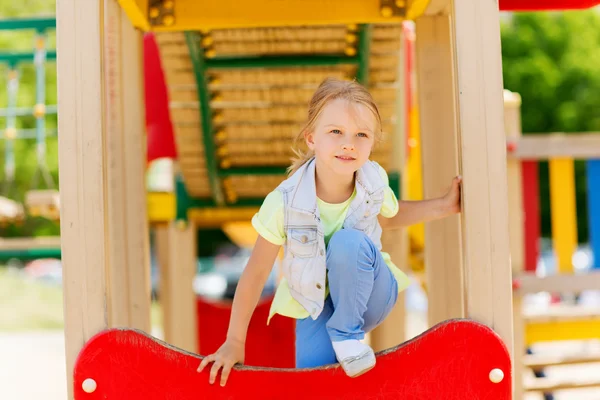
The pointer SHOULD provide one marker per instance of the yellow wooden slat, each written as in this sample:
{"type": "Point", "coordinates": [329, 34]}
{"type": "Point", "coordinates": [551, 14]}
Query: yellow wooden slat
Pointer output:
{"type": "Point", "coordinates": [557, 330]}
{"type": "Point", "coordinates": [161, 207]}
{"type": "Point", "coordinates": [222, 14]}
{"type": "Point", "coordinates": [563, 212]}
{"type": "Point", "coordinates": [137, 12]}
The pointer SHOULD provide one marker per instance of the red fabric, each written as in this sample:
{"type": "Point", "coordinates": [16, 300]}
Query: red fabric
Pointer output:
{"type": "Point", "coordinates": [531, 213]}
{"type": "Point", "coordinates": [267, 345]}
{"type": "Point", "coordinates": [451, 361]}
{"type": "Point", "coordinates": [161, 142]}
{"type": "Point", "coordinates": [539, 5]}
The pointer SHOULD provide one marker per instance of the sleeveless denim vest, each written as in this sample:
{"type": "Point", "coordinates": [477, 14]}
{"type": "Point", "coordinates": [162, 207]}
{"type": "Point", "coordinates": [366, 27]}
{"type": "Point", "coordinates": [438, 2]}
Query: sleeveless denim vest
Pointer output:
{"type": "Point", "coordinates": [304, 250]}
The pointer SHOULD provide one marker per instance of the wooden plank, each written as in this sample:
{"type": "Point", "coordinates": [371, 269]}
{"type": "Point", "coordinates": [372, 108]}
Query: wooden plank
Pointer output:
{"type": "Point", "coordinates": [559, 283]}
{"type": "Point", "coordinates": [512, 125]}
{"type": "Point", "coordinates": [177, 296]}
{"type": "Point", "coordinates": [550, 385]}
{"type": "Point", "coordinates": [29, 243]}
{"type": "Point", "coordinates": [593, 190]}
{"type": "Point", "coordinates": [563, 212]}
{"type": "Point", "coordinates": [562, 314]}
{"type": "Point", "coordinates": [82, 180]}
{"type": "Point", "coordinates": [556, 145]}
{"type": "Point", "coordinates": [486, 253]}
{"type": "Point", "coordinates": [536, 361]}
{"type": "Point", "coordinates": [439, 144]}
{"type": "Point", "coordinates": [531, 209]}
{"type": "Point", "coordinates": [93, 103]}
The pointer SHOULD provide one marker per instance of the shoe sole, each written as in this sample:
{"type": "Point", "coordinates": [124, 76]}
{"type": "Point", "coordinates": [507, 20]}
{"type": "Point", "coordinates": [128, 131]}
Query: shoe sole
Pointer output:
{"type": "Point", "coordinates": [369, 356]}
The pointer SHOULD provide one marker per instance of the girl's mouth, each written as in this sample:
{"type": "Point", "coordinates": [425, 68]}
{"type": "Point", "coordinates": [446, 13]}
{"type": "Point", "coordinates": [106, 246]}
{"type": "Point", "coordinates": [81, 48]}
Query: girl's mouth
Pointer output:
{"type": "Point", "coordinates": [345, 158]}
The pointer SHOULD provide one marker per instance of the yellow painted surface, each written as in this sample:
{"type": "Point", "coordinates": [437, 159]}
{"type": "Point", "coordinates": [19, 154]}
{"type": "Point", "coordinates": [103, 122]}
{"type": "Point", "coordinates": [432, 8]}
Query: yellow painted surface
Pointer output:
{"type": "Point", "coordinates": [213, 14]}
{"type": "Point", "coordinates": [137, 12]}
{"type": "Point", "coordinates": [216, 217]}
{"type": "Point", "coordinates": [563, 211]}
{"type": "Point", "coordinates": [161, 207]}
{"type": "Point", "coordinates": [415, 177]}
{"type": "Point", "coordinates": [561, 330]}
{"type": "Point", "coordinates": [241, 233]}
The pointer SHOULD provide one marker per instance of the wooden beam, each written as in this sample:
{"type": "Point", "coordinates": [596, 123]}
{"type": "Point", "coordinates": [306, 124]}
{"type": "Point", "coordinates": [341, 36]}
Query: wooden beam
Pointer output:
{"type": "Point", "coordinates": [555, 145]}
{"type": "Point", "coordinates": [95, 95]}
{"type": "Point", "coordinates": [137, 12]}
{"type": "Point", "coordinates": [559, 283]}
{"type": "Point", "coordinates": [221, 14]}
{"type": "Point", "coordinates": [49, 242]}
{"type": "Point", "coordinates": [437, 7]}
{"type": "Point", "coordinates": [516, 223]}
{"type": "Point", "coordinates": [485, 239]}
{"type": "Point", "coordinates": [176, 253]}
{"type": "Point", "coordinates": [438, 125]}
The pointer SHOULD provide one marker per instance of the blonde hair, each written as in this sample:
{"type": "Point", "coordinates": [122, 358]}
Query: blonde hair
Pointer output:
{"type": "Point", "coordinates": [331, 89]}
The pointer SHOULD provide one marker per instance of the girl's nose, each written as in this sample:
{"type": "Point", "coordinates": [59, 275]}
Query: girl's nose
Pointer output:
{"type": "Point", "coordinates": [348, 146]}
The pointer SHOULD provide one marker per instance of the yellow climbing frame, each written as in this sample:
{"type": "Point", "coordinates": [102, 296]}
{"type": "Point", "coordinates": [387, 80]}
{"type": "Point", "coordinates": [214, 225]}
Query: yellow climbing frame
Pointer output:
{"type": "Point", "coordinates": [181, 15]}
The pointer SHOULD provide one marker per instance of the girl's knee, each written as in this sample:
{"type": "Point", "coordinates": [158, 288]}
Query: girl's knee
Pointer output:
{"type": "Point", "coordinates": [347, 238]}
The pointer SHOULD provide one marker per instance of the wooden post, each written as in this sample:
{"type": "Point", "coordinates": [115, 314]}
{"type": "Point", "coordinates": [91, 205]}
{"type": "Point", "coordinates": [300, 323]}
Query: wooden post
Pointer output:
{"type": "Point", "coordinates": [177, 258]}
{"type": "Point", "coordinates": [512, 120]}
{"type": "Point", "coordinates": [482, 148]}
{"type": "Point", "coordinates": [103, 214]}
{"type": "Point", "coordinates": [440, 164]}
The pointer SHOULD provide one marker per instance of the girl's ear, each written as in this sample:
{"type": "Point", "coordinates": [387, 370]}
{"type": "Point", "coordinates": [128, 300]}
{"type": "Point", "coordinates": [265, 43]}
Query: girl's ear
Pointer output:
{"type": "Point", "coordinates": [309, 138]}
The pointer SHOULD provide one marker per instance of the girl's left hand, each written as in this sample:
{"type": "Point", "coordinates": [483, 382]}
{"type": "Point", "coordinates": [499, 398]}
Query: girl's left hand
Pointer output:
{"type": "Point", "coordinates": [452, 198]}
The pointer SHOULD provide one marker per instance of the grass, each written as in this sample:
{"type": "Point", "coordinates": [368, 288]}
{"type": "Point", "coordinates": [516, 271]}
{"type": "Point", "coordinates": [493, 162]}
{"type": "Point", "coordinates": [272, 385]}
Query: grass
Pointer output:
{"type": "Point", "coordinates": [27, 305]}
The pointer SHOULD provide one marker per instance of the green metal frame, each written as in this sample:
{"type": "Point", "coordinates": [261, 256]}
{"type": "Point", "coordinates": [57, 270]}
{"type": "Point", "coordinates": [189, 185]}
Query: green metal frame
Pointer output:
{"type": "Point", "coordinates": [197, 56]}
{"type": "Point", "coordinates": [39, 24]}
{"type": "Point", "coordinates": [14, 58]}
{"type": "Point", "coordinates": [364, 48]}
{"type": "Point", "coordinates": [30, 254]}
{"type": "Point", "coordinates": [280, 61]}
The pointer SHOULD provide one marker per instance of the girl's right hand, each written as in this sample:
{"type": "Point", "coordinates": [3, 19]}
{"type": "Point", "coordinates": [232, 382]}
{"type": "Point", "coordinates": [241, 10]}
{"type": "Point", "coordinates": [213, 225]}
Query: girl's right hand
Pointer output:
{"type": "Point", "coordinates": [230, 353]}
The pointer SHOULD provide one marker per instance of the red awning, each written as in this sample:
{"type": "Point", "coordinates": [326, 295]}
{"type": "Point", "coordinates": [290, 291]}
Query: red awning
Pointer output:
{"type": "Point", "coordinates": [545, 5]}
{"type": "Point", "coordinates": [161, 143]}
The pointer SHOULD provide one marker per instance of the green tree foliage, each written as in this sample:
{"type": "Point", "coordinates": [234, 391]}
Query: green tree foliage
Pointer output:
{"type": "Point", "coordinates": [24, 149]}
{"type": "Point", "coordinates": [552, 60]}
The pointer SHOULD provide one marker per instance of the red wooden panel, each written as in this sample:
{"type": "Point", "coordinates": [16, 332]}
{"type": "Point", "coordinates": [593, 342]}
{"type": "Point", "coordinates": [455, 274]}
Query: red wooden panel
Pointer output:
{"type": "Point", "coordinates": [531, 5]}
{"type": "Point", "coordinates": [270, 345]}
{"type": "Point", "coordinates": [531, 210]}
{"type": "Point", "coordinates": [451, 361]}
{"type": "Point", "coordinates": [161, 143]}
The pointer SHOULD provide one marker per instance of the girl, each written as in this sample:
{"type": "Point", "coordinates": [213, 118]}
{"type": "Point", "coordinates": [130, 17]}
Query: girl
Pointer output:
{"type": "Point", "coordinates": [337, 283]}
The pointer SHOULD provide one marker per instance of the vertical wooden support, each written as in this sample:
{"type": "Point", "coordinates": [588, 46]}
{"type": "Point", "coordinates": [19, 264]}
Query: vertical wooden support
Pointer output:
{"type": "Point", "coordinates": [104, 282]}
{"type": "Point", "coordinates": [563, 212]}
{"type": "Point", "coordinates": [531, 205]}
{"type": "Point", "coordinates": [440, 164]}
{"type": "Point", "coordinates": [516, 223]}
{"type": "Point", "coordinates": [593, 189]}
{"type": "Point", "coordinates": [126, 161]}
{"type": "Point", "coordinates": [393, 330]}
{"type": "Point", "coordinates": [176, 248]}
{"type": "Point", "coordinates": [485, 241]}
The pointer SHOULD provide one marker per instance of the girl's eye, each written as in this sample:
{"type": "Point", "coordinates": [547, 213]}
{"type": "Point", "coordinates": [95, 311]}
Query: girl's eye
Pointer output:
{"type": "Point", "coordinates": [336, 131]}
{"type": "Point", "coordinates": [363, 134]}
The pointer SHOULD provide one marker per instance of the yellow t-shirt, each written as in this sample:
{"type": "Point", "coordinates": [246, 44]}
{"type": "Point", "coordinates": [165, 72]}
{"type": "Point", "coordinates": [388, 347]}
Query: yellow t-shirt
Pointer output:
{"type": "Point", "coordinates": [268, 222]}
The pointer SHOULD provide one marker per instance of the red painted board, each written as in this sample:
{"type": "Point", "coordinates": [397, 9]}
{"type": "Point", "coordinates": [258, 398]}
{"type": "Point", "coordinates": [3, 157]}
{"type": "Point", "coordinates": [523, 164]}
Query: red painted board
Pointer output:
{"type": "Point", "coordinates": [268, 345]}
{"type": "Point", "coordinates": [161, 142]}
{"type": "Point", "coordinates": [531, 213]}
{"type": "Point", "coordinates": [532, 5]}
{"type": "Point", "coordinates": [451, 361]}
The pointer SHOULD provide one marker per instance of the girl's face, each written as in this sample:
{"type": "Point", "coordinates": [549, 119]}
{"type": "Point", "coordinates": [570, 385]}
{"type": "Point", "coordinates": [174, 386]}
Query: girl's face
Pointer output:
{"type": "Point", "coordinates": [343, 136]}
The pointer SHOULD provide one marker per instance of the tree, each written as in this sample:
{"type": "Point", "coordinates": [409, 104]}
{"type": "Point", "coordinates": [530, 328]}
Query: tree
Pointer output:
{"type": "Point", "coordinates": [551, 60]}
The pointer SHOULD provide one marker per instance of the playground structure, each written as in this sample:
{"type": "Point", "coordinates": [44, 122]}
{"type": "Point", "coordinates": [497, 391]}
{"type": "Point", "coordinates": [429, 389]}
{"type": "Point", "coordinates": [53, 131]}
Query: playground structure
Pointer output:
{"type": "Point", "coordinates": [223, 176]}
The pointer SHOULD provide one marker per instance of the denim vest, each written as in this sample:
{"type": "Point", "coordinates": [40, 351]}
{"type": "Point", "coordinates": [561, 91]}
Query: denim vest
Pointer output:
{"type": "Point", "coordinates": [304, 250]}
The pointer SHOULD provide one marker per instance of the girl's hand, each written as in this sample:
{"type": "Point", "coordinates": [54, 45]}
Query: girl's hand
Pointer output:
{"type": "Point", "coordinates": [229, 354]}
{"type": "Point", "coordinates": [452, 198]}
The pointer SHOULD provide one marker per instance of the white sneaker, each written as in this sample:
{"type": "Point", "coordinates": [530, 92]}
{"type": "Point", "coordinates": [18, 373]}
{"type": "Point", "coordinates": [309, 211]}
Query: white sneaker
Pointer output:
{"type": "Point", "coordinates": [355, 357]}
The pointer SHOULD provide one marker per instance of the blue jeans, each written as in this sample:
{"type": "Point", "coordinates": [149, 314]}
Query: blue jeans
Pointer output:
{"type": "Point", "coordinates": [363, 291]}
